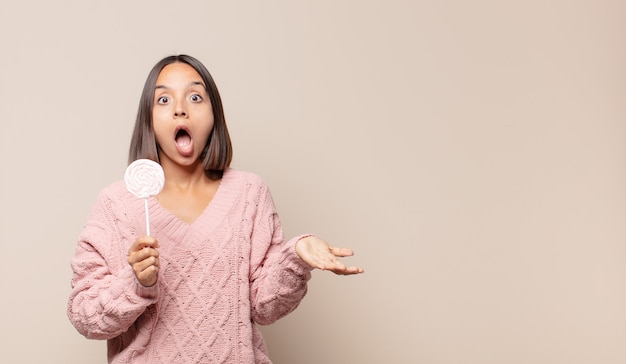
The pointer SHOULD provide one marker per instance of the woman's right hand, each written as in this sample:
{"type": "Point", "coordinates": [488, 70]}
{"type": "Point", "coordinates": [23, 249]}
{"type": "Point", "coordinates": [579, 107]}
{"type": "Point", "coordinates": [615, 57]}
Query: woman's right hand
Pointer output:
{"type": "Point", "coordinates": [143, 257]}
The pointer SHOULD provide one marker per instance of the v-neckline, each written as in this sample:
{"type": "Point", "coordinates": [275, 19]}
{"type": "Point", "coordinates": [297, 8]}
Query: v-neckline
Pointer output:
{"type": "Point", "coordinates": [198, 216]}
{"type": "Point", "coordinates": [215, 211]}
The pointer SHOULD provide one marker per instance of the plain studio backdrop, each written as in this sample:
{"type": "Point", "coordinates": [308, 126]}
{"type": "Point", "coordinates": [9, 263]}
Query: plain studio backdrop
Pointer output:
{"type": "Point", "coordinates": [473, 153]}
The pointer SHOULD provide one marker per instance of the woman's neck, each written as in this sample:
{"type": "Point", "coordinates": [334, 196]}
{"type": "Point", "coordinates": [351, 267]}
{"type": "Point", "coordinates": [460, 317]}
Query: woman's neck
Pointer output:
{"type": "Point", "coordinates": [187, 191]}
{"type": "Point", "coordinates": [184, 178]}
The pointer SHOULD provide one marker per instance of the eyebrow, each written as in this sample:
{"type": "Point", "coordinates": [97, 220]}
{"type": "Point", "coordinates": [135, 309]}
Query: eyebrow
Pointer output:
{"type": "Point", "coordinates": [193, 83]}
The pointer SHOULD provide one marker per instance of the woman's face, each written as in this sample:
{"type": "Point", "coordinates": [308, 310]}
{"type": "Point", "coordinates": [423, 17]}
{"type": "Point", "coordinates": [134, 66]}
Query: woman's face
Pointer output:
{"type": "Point", "coordinates": [182, 116]}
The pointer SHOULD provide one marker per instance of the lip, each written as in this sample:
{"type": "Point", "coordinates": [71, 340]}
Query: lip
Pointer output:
{"type": "Point", "coordinates": [183, 128]}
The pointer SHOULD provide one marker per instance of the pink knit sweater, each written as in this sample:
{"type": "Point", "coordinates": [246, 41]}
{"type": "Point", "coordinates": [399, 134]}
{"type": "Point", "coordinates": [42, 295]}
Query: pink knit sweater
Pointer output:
{"type": "Point", "coordinates": [218, 277]}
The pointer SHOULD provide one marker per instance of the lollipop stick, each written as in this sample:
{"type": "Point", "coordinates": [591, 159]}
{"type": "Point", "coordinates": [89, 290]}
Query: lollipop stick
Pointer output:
{"type": "Point", "coordinates": [147, 218]}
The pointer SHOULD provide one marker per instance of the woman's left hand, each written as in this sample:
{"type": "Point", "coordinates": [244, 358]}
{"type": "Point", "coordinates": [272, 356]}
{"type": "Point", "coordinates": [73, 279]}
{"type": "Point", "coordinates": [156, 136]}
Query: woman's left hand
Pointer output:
{"type": "Point", "coordinates": [318, 254]}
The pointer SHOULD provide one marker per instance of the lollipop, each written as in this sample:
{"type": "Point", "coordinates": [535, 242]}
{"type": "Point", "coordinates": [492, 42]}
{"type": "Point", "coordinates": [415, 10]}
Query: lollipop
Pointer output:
{"type": "Point", "coordinates": [144, 178]}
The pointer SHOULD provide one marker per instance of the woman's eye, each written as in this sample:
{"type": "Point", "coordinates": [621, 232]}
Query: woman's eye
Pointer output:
{"type": "Point", "coordinates": [163, 100]}
{"type": "Point", "coordinates": [196, 98]}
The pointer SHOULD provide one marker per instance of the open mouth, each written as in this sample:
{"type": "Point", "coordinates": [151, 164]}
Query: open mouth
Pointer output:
{"type": "Point", "coordinates": [182, 137]}
{"type": "Point", "coordinates": [183, 140]}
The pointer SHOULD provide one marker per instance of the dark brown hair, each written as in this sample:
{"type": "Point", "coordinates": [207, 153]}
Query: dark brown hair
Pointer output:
{"type": "Point", "coordinates": [218, 152]}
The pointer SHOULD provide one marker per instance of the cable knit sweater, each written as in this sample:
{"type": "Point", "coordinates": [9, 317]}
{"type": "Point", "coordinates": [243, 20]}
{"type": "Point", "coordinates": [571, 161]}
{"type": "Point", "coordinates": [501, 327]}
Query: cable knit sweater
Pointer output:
{"type": "Point", "coordinates": [219, 276]}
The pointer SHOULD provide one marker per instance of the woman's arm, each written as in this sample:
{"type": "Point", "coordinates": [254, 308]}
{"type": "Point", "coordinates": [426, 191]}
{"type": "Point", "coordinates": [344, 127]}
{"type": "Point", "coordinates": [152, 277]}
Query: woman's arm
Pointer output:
{"type": "Point", "coordinates": [106, 298]}
{"type": "Point", "coordinates": [278, 276]}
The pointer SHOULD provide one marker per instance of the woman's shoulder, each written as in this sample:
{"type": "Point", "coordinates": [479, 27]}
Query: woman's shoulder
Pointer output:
{"type": "Point", "coordinates": [246, 177]}
{"type": "Point", "coordinates": [243, 182]}
{"type": "Point", "coordinates": [114, 192]}
{"type": "Point", "coordinates": [110, 201]}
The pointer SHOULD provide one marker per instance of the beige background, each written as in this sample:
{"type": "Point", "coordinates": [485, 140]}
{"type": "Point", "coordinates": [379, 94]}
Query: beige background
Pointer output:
{"type": "Point", "coordinates": [473, 153]}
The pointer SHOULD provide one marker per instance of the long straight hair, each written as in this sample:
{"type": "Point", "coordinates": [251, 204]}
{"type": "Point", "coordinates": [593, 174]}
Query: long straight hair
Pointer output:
{"type": "Point", "coordinates": [218, 152]}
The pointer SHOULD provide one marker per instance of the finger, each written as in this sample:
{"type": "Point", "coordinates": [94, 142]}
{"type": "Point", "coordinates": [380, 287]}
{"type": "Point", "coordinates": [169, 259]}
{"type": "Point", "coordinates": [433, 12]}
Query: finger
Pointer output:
{"type": "Point", "coordinates": [145, 264]}
{"type": "Point", "coordinates": [142, 254]}
{"type": "Point", "coordinates": [349, 271]}
{"type": "Point", "coordinates": [144, 242]}
{"type": "Point", "coordinates": [335, 265]}
{"type": "Point", "coordinates": [341, 252]}
{"type": "Point", "coordinates": [148, 276]}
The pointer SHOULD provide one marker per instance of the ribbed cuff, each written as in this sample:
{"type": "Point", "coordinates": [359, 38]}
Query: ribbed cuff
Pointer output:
{"type": "Point", "coordinates": [299, 265]}
{"type": "Point", "coordinates": [146, 292]}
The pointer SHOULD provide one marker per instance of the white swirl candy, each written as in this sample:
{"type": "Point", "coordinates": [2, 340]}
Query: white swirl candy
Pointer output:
{"type": "Point", "coordinates": [144, 178]}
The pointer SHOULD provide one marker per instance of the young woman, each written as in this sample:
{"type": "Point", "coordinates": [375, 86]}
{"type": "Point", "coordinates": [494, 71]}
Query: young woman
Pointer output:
{"type": "Point", "coordinates": [216, 263]}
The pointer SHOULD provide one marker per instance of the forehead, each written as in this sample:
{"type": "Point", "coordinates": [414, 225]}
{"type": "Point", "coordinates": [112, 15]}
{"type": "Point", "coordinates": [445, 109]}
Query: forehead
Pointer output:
{"type": "Point", "coordinates": [178, 73]}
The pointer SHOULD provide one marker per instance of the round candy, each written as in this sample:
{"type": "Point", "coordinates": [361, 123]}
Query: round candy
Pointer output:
{"type": "Point", "coordinates": [144, 178]}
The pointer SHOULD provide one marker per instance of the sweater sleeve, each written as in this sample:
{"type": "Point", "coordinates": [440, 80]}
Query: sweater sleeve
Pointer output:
{"type": "Point", "coordinates": [278, 275]}
{"type": "Point", "coordinates": [106, 298]}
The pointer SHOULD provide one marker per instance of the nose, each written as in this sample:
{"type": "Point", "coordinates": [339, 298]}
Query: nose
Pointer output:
{"type": "Point", "coordinates": [180, 109]}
